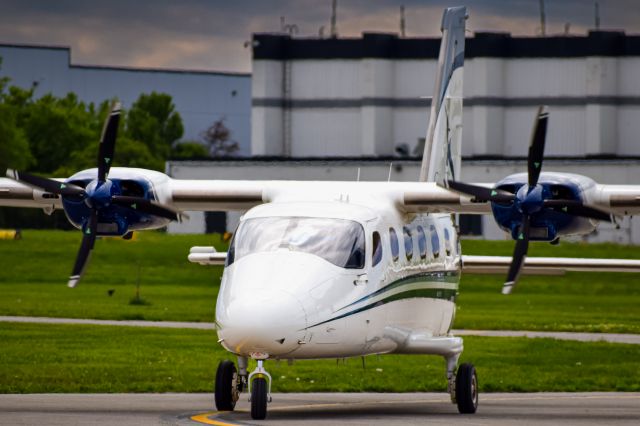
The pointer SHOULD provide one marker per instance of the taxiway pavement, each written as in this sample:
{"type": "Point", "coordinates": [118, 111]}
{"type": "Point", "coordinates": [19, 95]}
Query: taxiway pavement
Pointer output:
{"type": "Point", "coordinates": [321, 409]}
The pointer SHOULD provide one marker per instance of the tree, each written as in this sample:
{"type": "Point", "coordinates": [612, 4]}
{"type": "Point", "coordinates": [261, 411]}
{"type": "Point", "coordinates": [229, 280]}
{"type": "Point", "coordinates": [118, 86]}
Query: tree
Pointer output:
{"type": "Point", "coordinates": [153, 121]}
{"type": "Point", "coordinates": [189, 151]}
{"type": "Point", "coordinates": [14, 146]}
{"type": "Point", "coordinates": [218, 137]}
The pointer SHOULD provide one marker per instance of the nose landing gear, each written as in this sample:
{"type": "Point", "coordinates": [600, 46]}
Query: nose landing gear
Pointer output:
{"type": "Point", "coordinates": [260, 390]}
{"type": "Point", "coordinates": [230, 383]}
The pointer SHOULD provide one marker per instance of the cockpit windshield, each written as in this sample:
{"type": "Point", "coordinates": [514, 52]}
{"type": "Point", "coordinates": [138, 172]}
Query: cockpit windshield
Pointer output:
{"type": "Point", "coordinates": [338, 241]}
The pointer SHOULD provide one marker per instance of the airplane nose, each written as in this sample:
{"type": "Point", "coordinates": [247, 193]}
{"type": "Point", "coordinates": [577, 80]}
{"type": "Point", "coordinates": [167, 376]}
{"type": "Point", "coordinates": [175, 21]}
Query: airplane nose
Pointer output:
{"type": "Point", "coordinates": [271, 322]}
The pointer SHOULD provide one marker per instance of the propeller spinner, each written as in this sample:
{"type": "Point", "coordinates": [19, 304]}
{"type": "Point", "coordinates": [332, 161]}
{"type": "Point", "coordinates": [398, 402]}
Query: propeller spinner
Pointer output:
{"type": "Point", "coordinates": [98, 195]}
{"type": "Point", "coordinates": [529, 200]}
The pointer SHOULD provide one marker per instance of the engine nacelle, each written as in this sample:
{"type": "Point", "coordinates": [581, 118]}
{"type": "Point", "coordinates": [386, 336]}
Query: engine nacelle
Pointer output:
{"type": "Point", "coordinates": [115, 220]}
{"type": "Point", "coordinates": [547, 223]}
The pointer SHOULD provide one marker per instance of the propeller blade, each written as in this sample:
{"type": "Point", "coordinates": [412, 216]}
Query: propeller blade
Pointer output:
{"type": "Point", "coordinates": [108, 142]}
{"type": "Point", "coordinates": [536, 147]}
{"type": "Point", "coordinates": [88, 240]}
{"type": "Point", "coordinates": [480, 193]}
{"type": "Point", "coordinates": [576, 208]}
{"type": "Point", "coordinates": [145, 206]}
{"type": "Point", "coordinates": [519, 255]}
{"type": "Point", "coordinates": [49, 185]}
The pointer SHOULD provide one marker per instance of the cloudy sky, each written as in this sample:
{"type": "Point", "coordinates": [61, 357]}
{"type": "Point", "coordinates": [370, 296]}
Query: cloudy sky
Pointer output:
{"type": "Point", "coordinates": [210, 34]}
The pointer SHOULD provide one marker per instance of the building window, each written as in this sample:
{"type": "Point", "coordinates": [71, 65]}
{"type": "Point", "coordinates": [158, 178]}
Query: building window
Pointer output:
{"type": "Point", "coordinates": [422, 243]}
{"type": "Point", "coordinates": [408, 242]}
{"type": "Point", "coordinates": [377, 249]}
{"type": "Point", "coordinates": [215, 222]}
{"type": "Point", "coordinates": [470, 224]}
{"type": "Point", "coordinates": [395, 246]}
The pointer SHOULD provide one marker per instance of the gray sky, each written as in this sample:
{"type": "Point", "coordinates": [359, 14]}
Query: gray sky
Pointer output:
{"type": "Point", "coordinates": [209, 34]}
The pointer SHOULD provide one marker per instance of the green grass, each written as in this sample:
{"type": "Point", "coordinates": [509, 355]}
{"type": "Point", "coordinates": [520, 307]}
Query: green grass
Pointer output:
{"type": "Point", "coordinates": [80, 358]}
{"type": "Point", "coordinates": [583, 302]}
{"type": "Point", "coordinates": [34, 271]}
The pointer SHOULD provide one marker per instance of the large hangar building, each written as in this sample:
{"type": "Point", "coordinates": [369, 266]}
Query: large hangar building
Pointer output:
{"type": "Point", "coordinates": [324, 108]}
{"type": "Point", "coordinates": [318, 105]}
{"type": "Point", "coordinates": [201, 97]}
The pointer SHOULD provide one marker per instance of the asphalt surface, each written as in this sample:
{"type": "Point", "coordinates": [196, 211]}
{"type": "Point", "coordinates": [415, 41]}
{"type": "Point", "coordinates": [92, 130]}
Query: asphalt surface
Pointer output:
{"type": "Point", "coordinates": [321, 409]}
{"type": "Point", "coordinates": [633, 339]}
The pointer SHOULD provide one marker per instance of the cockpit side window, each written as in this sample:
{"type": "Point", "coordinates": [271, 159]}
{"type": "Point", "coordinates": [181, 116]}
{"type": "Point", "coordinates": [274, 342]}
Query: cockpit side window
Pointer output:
{"type": "Point", "coordinates": [408, 242]}
{"type": "Point", "coordinates": [422, 243]}
{"type": "Point", "coordinates": [377, 249]}
{"type": "Point", "coordinates": [447, 242]}
{"type": "Point", "coordinates": [395, 246]}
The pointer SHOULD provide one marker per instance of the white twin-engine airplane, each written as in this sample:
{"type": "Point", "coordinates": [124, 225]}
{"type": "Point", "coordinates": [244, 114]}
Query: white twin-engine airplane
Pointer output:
{"type": "Point", "coordinates": [343, 269]}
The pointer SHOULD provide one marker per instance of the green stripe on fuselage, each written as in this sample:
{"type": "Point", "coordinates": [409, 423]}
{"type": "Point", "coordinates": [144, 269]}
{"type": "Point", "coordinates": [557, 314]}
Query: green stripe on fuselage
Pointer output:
{"type": "Point", "coordinates": [432, 280]}
{"type": "Point", "coordinates": [442, 285]}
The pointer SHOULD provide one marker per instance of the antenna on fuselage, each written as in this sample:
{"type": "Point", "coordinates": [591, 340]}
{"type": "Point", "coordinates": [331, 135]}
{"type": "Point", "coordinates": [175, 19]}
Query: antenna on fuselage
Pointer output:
{"type": "Point", "coordinates": [358, 178]}
{"type": "Point", "coordinates": [390, 168]}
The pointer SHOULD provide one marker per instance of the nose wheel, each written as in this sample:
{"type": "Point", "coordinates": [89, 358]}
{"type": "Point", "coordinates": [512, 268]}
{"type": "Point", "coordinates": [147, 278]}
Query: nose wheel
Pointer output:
{"type": "Point", "coordinates": [260, 390]}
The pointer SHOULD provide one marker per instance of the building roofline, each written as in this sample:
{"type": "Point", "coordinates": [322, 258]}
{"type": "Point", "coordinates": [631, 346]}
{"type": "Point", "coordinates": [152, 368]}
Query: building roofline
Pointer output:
{"type": "Point", "coordinates": [121, 68]}
{"type": "Point", "coordinates": [404, 160]}
{"type": "Point", "coordinates": [482, 44]}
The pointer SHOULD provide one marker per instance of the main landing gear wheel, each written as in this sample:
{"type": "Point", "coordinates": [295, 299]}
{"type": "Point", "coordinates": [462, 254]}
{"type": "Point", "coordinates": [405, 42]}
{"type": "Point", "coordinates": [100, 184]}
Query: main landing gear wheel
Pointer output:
{"type": "Point", "coordinates": [467, 389]}
{"type": "Point", "coordinates": [226, 392]}
{"type": "Point", "coordinates": [259, 398]}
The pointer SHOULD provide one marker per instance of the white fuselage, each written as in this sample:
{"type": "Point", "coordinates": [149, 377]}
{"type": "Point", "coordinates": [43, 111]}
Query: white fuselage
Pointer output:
{"type": "Point", "coordinates": [290, 303]}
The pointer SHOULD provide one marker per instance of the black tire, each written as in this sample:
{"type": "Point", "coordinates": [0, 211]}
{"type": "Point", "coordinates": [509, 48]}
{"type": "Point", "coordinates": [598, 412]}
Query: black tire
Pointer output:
{"type": "Point", "coordinates": [259, 399]}
{"type": "Point", "coordinates": [467, 389]}
{"type": "Point", "coordinates": [225, 393]}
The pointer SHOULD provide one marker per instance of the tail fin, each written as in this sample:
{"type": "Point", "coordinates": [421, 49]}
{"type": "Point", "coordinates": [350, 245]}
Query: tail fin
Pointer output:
{"type": "Point", "coordinates": [441, 158]}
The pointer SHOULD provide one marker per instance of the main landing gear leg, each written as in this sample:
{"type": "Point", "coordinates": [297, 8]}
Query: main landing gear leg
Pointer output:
{"type": "Point", "coordinates": [243, 382]}
{"type": "Point", "coordinates": [462, 385]}
{"type": "Point", "coordinates": [260, 390]}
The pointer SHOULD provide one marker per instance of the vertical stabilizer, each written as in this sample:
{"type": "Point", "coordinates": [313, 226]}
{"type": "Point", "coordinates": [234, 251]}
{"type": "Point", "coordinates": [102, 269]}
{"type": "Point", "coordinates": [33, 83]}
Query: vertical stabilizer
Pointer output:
{"type": "Point", "coordinates": [441, 158]}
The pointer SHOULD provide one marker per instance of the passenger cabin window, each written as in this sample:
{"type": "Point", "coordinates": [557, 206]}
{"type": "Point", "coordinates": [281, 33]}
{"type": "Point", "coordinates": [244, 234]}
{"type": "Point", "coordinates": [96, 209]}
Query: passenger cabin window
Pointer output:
{"type": "Point", "coordinates": [377, 249]}
{"type": "Point", "coordinates": [422, 243]}
{"type": "Point", "coordinates": [435, 241]}
{"type": "Point", "coordinates": [395, 247]}
{"type": "Point", "coordinates": [447, 242]}
{"type": "Point", "coordinates": [343, 246]}
{"type": "Point", "coordinates": [408, 242]}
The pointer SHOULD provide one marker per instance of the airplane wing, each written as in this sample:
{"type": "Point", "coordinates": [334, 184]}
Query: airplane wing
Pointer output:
{"type": "Point", "coordinates": [620, 200]}
{"type": "Point", "coordinates": [216, 195]}
{"type": "Point", "coordinates": [17, 194]}
{"type": "Point", "coordinates": [183, 195]}
{"type": "Point", "coordinates": [616, 200]}
{"type": "Point", "coordinates": [546, 265]}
